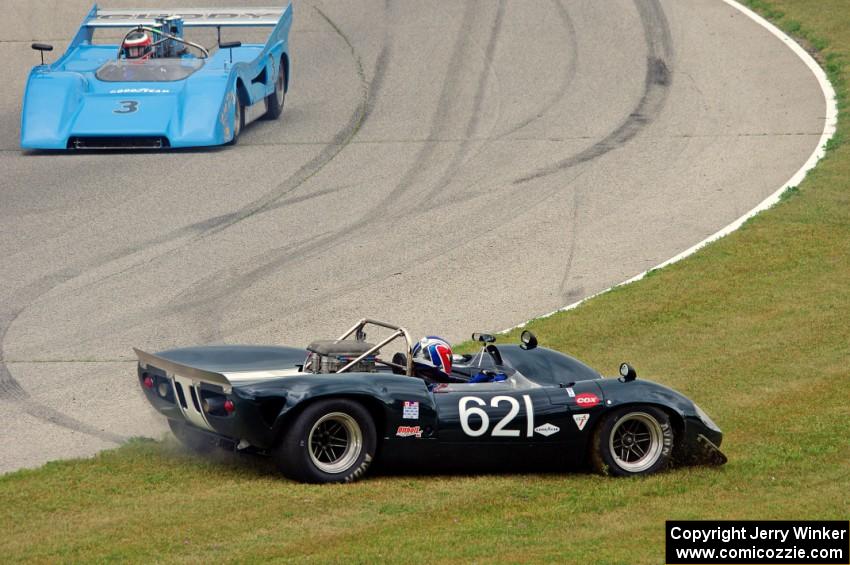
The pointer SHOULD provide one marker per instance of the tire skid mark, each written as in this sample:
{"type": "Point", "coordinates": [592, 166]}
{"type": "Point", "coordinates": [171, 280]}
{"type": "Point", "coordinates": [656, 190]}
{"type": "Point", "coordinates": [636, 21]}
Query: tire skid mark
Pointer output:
{"type": "Point", "coordinates": [566, 79]}
{"type": "Point", "coordinates": [209, 297]}
{"type": "Point", "coordinates": [12, 391]}
{"type": "Point", "coordinates": [440, 120]}
{"type": "Point", "coordinates": [422, 162]}
{"type": "Point", "coordinates": [454, 240]}
{"type": "Point", "coordinates": [222, 295]}
{"type": "Point", "coordinates": [331, 150]}
{"type": "Point", "coordinates": [55, 417]}
{"type": "Point", "coordinates": [460, 155]}
{"type": "Point", "coordinates": [12, 307]}
{"type": "Point", "coordinates": [656, 88]}
{"type": "Point", "coordinates": [572, 235]}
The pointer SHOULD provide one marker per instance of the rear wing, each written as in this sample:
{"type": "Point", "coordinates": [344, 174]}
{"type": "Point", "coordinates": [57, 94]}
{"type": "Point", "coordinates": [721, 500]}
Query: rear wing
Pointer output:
{"type": "Point", "coordinates": [171, 368]}
{"type": "Point", "coordinates": [192, 17]}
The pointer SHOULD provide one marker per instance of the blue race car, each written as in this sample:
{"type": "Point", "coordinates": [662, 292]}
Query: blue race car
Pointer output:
{"type": "Point", "coordinates": [155, 88]}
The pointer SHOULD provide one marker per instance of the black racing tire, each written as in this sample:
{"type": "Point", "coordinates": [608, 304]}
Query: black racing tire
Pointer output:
{"type": "Point", "coordinates": [196, 441]}
{"type": "Point", "coordinates": [632, 440]}
{"type": "Point", "coordinates": [276, 100]}
{"type": "Point", "coordinates": [238, 120]}
{"type": "Point", "coordinates": [331, 441]}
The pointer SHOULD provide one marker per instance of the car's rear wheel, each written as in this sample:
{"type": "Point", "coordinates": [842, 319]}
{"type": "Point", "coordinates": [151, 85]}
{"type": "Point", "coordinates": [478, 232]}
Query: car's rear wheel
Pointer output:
{"type": "Point", "coordinates": [198, 442]}
{"type": "Point", "coordinates": [275, 100]}
{"type": "Point", "coordinates": [633, 440]}
{"type": "Point", "coordinates": [331, 441]}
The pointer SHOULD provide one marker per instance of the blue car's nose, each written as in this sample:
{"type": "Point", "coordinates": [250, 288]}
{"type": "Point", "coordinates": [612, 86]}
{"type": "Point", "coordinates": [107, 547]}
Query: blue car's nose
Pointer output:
{"type": "Point", "coordinates": [125, 113]}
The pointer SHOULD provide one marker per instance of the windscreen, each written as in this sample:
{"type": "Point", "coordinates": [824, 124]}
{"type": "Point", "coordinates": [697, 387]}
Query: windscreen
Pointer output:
{"type": "Point", "coordinates": [150, 70]}
{"type": "Point", "coordinates": [546, 366]}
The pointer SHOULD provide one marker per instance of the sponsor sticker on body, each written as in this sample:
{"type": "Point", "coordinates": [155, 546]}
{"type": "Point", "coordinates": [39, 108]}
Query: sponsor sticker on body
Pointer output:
{"type": "Point", "coordinates": [587, 400]}
{"type": "Point", "coordinates": [140, 91]}
{"type": "Point", "coordinates": [547, 430]}
{"type": "Point", "coordinates": [581, 420]}
{"type": "Point", "coordinates": [409, 431]}
{"type": "Point", "coordinates": [410, 410]}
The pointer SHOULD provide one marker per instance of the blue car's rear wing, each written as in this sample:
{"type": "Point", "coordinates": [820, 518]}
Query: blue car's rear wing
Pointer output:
{"type": "Point", "coordinates": [192, 17]}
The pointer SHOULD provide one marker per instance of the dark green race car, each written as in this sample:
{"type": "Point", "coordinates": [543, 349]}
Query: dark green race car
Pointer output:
{"type": "Point", "coordinates": [327, 412]}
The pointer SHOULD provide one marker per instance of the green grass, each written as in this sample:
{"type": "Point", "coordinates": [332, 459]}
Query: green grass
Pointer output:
{"type": "Point", "coordinates": [755, 327]}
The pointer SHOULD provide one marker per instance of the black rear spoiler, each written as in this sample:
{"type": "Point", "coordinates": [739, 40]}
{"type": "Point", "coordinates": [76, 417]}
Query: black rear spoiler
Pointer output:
{"type": "Point", "coordinates": [172, 368]}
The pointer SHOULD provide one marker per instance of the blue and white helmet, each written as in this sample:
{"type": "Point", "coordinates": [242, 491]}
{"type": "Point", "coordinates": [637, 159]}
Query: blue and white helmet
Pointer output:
{"type": "Point", "coordinates": [434, 351]}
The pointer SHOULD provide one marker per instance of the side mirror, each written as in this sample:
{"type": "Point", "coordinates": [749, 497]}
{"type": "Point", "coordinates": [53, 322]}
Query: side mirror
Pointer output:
{"type": "Point", "coordinates": [627, 372]}
{"type": "Point", "coordinates": [230, 45]}
{"type": "Point", "coordinates": [484, 338]}
{"type": "Point", "coordinates": [528, 339]}
{"type": "Point", "coordinates": [41, 48]}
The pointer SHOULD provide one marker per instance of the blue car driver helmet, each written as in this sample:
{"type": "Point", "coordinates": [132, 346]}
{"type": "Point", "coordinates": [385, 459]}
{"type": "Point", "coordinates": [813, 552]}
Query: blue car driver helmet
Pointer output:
{"type": "Point", "coordinates": [138, 45]}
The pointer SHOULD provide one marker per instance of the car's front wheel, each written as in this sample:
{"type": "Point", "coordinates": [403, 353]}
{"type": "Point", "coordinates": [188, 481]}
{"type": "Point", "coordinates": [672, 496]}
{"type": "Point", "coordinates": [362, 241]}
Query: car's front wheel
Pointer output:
{"type": "Point", "coordinates": [633, 440]}
{"type": "Point", "coordinates": [331, 441]}
{"type": "Point", "coordinates": [238, 119]}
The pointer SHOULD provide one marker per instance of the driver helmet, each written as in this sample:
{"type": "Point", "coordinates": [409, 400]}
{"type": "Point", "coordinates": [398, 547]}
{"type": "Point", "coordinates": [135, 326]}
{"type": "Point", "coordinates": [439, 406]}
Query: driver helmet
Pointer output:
{"type": "Point", "coordinates": [138, 45]}
{"type": "Point", "coordinates": [435, 352]}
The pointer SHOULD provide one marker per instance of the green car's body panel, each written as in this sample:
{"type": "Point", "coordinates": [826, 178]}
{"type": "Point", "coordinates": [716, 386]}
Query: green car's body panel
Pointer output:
{"type": "Point", "coordinates": [547, 405]}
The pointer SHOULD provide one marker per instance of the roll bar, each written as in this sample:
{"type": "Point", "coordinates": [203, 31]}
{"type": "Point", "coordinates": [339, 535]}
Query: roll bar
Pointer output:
{"type": "Point", "coordinates": [357, 329]}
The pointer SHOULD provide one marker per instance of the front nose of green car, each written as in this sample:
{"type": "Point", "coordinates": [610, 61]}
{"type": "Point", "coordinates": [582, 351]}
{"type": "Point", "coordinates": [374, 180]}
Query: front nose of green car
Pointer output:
{"type": "Point", "coordinates": [706, 419]}
{"type": "Point", "coordinates": [707, 438]}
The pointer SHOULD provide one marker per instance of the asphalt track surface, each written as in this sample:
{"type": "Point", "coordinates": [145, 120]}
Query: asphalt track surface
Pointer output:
{"type": "Point", "coordinates": [450, 166]}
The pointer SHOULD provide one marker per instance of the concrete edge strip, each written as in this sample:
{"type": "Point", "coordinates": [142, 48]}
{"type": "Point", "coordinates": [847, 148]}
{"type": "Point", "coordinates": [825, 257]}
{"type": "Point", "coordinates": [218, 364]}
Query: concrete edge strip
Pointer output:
{"type": "Point", "coordinates": [830, 122]}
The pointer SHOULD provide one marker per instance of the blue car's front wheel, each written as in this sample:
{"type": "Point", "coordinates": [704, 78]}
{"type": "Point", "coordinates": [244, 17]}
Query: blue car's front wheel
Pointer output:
{"type": "Point", "coordinates": [238, 120]}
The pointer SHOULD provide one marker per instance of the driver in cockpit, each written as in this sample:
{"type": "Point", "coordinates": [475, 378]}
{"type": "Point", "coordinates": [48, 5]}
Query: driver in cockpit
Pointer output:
{"type": "Point", "coordinates": [433, 357]}
{"type": "Point", "coordinates": [138, 45]}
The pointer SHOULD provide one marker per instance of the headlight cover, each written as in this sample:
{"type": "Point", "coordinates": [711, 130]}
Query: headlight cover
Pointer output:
{"type": "Point", "coordinates": [705, 418]}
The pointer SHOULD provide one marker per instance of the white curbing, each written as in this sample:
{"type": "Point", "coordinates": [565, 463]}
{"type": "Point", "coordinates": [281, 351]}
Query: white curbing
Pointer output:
{"type": "Point", "coordinates": [830, 122]}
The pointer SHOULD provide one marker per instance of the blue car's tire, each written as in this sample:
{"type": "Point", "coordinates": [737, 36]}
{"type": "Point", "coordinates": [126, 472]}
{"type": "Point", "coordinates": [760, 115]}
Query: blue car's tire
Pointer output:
{"type": "Point", "coordinates": [275, 100]}
{"type": "Point", "coordinates": [238, 121]}
{"type": "Point", "coordinates": [331, 441]}
{"type": "Point", "coordinates": [633, 440]}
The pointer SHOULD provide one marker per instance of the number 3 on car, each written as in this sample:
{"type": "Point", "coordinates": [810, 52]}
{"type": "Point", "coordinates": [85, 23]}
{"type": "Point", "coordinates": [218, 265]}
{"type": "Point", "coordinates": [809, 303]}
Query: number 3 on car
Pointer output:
{"type": "Point", "coordinates": [466, 412]}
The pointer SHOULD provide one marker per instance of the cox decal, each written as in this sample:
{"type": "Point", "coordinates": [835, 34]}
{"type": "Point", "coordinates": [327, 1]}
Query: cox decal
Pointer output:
{"type": "Point", "coordinates": [587, 400]}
